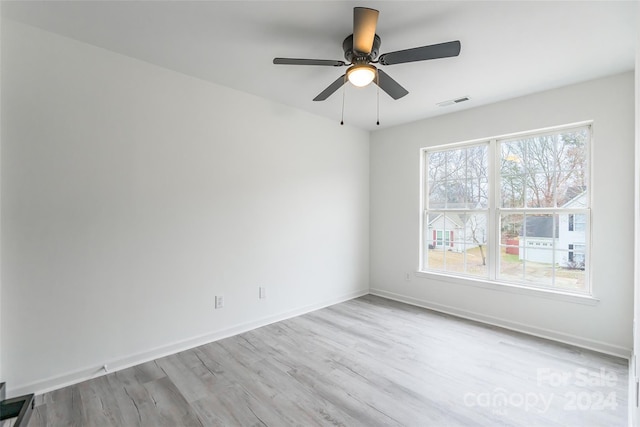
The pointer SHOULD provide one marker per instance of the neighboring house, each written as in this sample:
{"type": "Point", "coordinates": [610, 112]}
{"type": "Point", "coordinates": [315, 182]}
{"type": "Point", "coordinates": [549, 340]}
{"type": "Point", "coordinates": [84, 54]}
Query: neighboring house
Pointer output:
{"type": "Point", "coordinates": [573, 234]}
{"type": "Point", "coordinates": [443, 231]}
{"type": "Point", "coordinates": [455, 232]}
{"type": "Point", "coordinates": [538, 238]}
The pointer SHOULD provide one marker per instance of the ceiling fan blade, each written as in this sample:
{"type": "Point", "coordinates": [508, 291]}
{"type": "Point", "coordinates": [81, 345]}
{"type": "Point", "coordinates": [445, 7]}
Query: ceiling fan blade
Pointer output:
{"type": "Point", "coordinates": [434, 51]}
{"type": "Point", "coordinates": [331, 88]}
{"type": "Point", "coordinates": [390, 86]}
{"type": "Point", "coordinates": [298, 61]}
{"type": "Point", "coordinates": [364, 28]}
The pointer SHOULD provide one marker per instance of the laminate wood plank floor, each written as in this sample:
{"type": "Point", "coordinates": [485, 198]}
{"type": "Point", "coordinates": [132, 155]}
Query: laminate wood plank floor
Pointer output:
{"type": "Point", "coordinates": [365, 362]}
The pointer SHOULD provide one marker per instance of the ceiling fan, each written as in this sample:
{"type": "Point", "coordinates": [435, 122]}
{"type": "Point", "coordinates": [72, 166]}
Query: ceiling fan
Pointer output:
{"type": "Point", "coordinates": [361, 51]}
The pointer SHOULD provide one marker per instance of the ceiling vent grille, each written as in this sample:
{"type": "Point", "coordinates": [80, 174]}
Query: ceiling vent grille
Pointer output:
{"type": "Point", "coordinates": [452, 101]}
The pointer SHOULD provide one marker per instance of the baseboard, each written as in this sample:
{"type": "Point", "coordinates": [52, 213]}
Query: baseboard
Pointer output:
{"type": "Point", "coordinates": [70, 378]}
{"type": "Point", "coordinates": [599, 346]}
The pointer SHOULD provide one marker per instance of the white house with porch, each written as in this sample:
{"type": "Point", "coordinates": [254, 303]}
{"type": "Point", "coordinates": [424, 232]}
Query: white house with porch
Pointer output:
{"type": "Point", "coordinates": [455, 232]}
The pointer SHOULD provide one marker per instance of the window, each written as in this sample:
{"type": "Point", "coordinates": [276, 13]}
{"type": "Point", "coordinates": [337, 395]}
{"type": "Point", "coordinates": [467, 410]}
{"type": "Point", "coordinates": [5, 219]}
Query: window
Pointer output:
{"type": "Point", "coordinates": [440, 241]}
{"type": "Point", "coordinates": [576, 222]}
{"type": "Point", "coordinates": [512, 210]}
{"type": "Point", "coordinates": [458, 194]}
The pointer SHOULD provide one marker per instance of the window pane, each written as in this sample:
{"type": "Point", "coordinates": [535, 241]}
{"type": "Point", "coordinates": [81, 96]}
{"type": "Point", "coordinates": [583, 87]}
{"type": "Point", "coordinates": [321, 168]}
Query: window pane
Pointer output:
{"type": "Point", "coordinates": [572, 258]}
{"type": "Point", "coordinates": [450, 224]}
{"type": "Point", "coordinates": [510, 228]}
{"type": "Point", "coordinates": [539, 273]}
{"type": "Point", "coordinates": [456, 193]}
{"type": "Point", "coordinates": [572, 166]}
{"type": "Point", "coordinates": [527, 247]}
{"type": "Point", "coordinates": [540, 191]}
{"type": "Point", "coordinates": [512, 188]}
{"type": "Point", "coordinates": [457, 242]}
{"type": "Point", "coordinates": [455, 261]}
{"type": "Point", "coordinates": [436, 166]}
{"type": "Point", "coordinates": [478, 177]}
{"type": "Point", "coordinates": [437, 183]}
{"type": "Point", "coordinates": [539, 153]}
{"type": "Point", "coordinates": [457, 164]}
{"type": "Point", "coordinates": [458, 178]}
{"type": "Point", "coordinates": [572, 241]}
{"type": "Point", "coordinates": [475, 244]}
{"type": "Point", "coordinates": [434, 234]}
{"type": "Point", "coordinates": [544, 171]}
{"type": "Point", "coordinates": [571, 279]}
{"type": "Point", "coordinates": [477, 194]}
{"type": "Point", "coordinates": [512, 175]}
{"type": "Point", "coordinates": [435, 259]}
{"type": "Point", "coordinates": [437, 194]}
{"type": "Point", "coordinates": [511, 158]}
{"type": "Point", "coordinates": [511, 265]}
{"type": "Point", "coordinates": [570, 272]}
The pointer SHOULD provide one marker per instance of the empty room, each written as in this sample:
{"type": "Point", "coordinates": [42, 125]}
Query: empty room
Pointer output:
{"type": "Point", "coordinates": [299, 213]}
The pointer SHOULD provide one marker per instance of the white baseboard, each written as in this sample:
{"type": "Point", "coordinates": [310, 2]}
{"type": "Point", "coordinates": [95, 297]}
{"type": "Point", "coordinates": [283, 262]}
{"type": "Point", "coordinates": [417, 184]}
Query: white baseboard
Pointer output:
{"type": "Point", "coordinates": [70, 378]}
{"type": "Point", "coordinates": [599, 346]}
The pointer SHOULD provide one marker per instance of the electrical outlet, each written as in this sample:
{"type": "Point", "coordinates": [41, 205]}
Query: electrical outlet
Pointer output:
{"type": "Point", "coordinates": [219, 301]}
{"type": "Point", "coordinates": [262, 292]}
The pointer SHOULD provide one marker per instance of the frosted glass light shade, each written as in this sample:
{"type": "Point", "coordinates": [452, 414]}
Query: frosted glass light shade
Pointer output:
{"type": "Point", "coordinates": [361, 75]}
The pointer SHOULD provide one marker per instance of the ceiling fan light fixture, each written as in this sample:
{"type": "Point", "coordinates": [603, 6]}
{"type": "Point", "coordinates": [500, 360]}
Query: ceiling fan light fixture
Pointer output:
{"type": "Point", "coordinates": [361, 75]}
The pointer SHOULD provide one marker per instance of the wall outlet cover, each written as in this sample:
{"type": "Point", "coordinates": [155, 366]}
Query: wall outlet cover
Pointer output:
{"type": "Point", "coordinates": [219, 301]}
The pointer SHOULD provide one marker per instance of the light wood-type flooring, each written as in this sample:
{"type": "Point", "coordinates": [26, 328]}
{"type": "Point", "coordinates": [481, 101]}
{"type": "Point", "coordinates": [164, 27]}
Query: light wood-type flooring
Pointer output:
{"type": "Point", "coordinates": [365, 362]}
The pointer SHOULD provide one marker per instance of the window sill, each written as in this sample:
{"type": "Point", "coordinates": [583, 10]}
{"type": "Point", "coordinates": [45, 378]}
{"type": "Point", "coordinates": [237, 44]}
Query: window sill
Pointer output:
{"type": "Point", "coordinates": [510, 288]}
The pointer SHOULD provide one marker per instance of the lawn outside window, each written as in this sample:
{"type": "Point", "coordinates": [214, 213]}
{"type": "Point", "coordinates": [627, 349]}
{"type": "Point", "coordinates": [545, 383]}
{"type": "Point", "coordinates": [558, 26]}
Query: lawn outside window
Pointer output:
{"type": "Point", "coordinates": [510, 210]}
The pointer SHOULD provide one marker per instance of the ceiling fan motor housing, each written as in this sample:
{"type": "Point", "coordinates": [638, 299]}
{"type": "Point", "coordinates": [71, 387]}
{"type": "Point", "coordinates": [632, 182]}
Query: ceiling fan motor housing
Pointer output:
{"type": "Point", "coordinates": [355, 57]}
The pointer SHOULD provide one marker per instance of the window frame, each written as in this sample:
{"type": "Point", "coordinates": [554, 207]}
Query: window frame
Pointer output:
{"type": "Point", "coordinates": [495, 210]}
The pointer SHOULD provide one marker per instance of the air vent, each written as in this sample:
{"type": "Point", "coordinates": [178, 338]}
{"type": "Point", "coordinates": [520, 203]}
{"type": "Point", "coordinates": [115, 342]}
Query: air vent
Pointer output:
{"type": "Point", "coordinates": [452, 101]}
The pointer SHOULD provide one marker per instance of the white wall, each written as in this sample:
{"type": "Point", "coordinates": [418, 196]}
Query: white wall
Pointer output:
{"type": "Point", "coordinates": [605, 326]}
{"type": "Point", "coordinates": [132, 195]}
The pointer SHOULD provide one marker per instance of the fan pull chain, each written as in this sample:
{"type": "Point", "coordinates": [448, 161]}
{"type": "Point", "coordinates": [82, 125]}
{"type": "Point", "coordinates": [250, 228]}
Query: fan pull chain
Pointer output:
{"type": "Point", "coordinates": [343, 91]}
{"type": "Point", "coordinates": [378, 98]}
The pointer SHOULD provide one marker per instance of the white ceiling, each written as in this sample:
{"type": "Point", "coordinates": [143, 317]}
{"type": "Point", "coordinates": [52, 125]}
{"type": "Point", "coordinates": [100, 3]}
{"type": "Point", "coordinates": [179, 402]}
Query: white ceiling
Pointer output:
{"type": "Point", "coordinates": [508, 48]}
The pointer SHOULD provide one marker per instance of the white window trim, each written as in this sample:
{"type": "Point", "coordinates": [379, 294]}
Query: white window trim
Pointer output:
{"type": "Point", "coordinates": [586, 297]}
{"type": "Point", "coordinates": [509, 287]}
